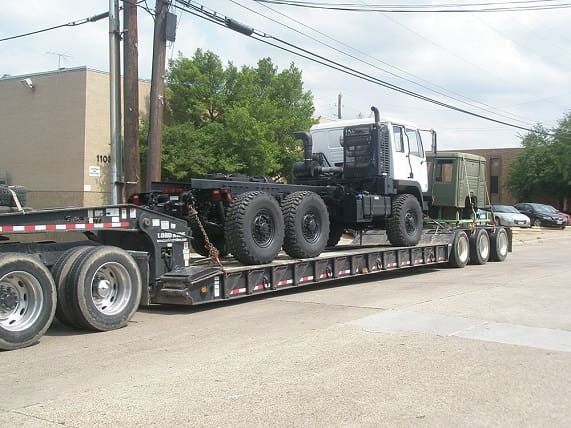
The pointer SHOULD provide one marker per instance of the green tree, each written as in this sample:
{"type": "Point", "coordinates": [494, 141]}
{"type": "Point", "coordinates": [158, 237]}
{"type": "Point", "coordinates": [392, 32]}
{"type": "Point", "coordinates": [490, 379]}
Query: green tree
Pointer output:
{"type": "Point", "coordinates": [224, 119]}
{"type": "Point", "coordinates": [543, 166]}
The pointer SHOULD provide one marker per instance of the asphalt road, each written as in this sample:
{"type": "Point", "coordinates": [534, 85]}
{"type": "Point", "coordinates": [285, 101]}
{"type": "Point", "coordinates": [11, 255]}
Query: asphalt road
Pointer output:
{"type": "Point", "coordinates": [481, 346]}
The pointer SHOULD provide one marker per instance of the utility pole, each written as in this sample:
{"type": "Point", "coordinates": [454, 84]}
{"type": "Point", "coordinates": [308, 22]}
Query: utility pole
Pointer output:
{"type": "Point", "coordinates": [157, 95]}
{"type": "Point", "coordinates": [115, 102]}
{"type": "Point", "coordinates": [131, 98]}
{"type": "Point", "coordinates": [339, 105]}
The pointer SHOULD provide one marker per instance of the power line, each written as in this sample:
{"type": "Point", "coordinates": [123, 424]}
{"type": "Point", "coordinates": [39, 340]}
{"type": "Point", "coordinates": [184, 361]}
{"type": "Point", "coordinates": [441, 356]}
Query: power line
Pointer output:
{"type": "Point", "coordinates": [352, 7]}
{"type": "Point", "coordinates": [471, 104]}
{"type": "Point", "coordinates": [93, 18]}
{"type": "Point", "coordinates": [219, 19]}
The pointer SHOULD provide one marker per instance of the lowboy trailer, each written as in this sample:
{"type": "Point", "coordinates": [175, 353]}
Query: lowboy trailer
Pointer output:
{"type": "Point", "coordinates": [126, 256]}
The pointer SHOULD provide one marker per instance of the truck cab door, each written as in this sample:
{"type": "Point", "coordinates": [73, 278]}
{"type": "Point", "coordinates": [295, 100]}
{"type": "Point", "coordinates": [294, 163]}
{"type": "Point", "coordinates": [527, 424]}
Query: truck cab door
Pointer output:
{"type": "Point", "coordinates": [401, 168]}
{"type": "Point", "coordinates": [416, 158]}
{"type": "Point", "coordinates": [408, 156]}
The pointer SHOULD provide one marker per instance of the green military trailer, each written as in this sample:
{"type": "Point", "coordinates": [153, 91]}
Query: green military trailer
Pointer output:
{"type": "Point", "coordinates": [458, 183]}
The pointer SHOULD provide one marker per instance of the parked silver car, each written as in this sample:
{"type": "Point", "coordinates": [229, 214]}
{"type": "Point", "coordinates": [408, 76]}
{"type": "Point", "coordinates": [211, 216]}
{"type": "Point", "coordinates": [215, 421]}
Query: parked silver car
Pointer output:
{"type": "Point", "coordinates": [506, 215]}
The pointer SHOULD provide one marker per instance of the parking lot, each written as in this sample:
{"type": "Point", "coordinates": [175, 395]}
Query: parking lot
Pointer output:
{"type": "Point", "coordinates": [482, 346]}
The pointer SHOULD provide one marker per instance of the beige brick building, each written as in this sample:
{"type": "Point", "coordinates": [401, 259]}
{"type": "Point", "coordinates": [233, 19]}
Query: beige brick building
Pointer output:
{"type": "Point", "coordinates": [54, 135]}
{"type": "Point", "coordinates": [497, 167]}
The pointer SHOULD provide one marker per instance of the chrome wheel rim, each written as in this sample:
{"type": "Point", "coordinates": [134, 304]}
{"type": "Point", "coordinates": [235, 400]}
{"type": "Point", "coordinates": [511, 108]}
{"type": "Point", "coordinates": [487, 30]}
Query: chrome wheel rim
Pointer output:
{"type": "Point", "coordinates": [21, 301]}
{"type": "Point", "coordinates": [111, 288]}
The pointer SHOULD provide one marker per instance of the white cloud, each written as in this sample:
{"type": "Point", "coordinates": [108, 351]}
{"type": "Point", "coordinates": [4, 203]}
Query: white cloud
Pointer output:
{"type": "Point", "coordinates": [515, 63]}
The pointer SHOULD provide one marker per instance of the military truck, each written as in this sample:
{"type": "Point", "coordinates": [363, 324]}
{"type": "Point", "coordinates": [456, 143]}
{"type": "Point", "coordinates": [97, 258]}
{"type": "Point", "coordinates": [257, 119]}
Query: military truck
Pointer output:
{"type": "Point", "coordinates": [458, 183]}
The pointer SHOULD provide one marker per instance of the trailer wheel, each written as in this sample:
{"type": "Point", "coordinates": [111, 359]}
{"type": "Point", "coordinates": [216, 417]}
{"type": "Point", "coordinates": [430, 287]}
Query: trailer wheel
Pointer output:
{"type": "Point", "coordinates": [254, 228]}
{"type": "Point", "coordinates": [499, 243]}
{"type": "Point", "coordinates": [103, 289]}
{"type": "Point", "coordinates": [27, 300]}
{"type": "Point", "coordinates": [404, 227]}
{"type": "Point", "coordinates": [335, 234]}
{"type": "Point", "coordinates": [460, 251]}
{"type": "Point", "coordinates": [479, 247]}
{"type": "Point", "coordinates": [60, 271]}
{"type": "Point", "coordinates": [306, 222]}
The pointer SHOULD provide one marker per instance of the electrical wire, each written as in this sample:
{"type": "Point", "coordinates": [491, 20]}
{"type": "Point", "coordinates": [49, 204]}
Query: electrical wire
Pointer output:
{"type": "Point", "coordinates": [470, 102]}
{"type": "Point", "coordinates": [352, 7]}
{"type": "Point", "coordinates": [93, 18]}
{"type": "Point", "coordinates": [278, 43]}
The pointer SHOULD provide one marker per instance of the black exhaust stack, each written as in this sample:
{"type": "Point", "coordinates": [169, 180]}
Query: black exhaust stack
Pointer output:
{"type": "Point", "coordinates": [307, 147]}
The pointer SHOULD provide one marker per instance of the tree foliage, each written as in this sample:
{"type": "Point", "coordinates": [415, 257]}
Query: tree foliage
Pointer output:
{"type": "Point", "coordinates": [230, 120]}
{"type": "Point", "coordinates": [543, 166]}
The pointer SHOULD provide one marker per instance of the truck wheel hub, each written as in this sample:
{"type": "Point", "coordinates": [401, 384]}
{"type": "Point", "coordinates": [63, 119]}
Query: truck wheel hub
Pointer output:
{"type": "Point", "coordinates": [310, 227]}
{"type": "Point", "coordinates": [8, 299]}
{"type": "Point", "coordinates": [102, 288]}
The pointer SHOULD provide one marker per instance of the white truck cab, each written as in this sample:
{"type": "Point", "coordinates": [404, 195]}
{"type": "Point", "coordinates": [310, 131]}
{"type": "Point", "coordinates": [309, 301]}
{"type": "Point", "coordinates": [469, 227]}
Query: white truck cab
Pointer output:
{"type": "Point", "coordinates": [408, 158]}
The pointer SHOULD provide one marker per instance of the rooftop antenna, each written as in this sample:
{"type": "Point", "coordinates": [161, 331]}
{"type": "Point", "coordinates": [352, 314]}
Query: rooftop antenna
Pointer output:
{"type": "Point", "coordinates": [60, 56]}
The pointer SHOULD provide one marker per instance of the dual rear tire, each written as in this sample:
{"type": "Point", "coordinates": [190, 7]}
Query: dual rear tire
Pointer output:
{"type": "Point", "coordinates": [97, 288]}
{"type": "Point", "coordinates": [257, 227]}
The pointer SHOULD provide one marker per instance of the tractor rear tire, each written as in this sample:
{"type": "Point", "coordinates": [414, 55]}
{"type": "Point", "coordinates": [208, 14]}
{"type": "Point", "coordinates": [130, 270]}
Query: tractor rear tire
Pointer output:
{"type": "Point", "coordinates": [254, 228]}
{"type": "Point", "coordinates": [306, 223]}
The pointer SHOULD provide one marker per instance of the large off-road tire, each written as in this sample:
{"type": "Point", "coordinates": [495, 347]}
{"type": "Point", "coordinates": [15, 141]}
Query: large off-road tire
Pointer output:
{"type": "Point", "coordinates": [198, 242]}
{"type": "Point", "coordinates": [103, 289]}
{"type": "Point", "coordinates": [60, 271]}
{"type": "Point", "coordinates": [254, 228]}
{"type": "Point", "coordinates": [27, 300]}
{"type": "Point", "coordinates": [7, 199]}
{"type": "Point", "coordinates": [335, 234]}
{"type": "Point", "coordinates": [404, 227]}
{"type": "Point", "coordinates": [460, 251]}
{"type": "Point", "coordinates": [479, 247]}
{"type": "Point", "coordinates": [499, 243]}
{"type": "Point", "coordinates": [306, 223]}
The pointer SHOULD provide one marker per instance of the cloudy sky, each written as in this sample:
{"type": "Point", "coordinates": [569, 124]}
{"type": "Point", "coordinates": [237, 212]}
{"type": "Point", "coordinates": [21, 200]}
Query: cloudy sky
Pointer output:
{"type": "Point", "coordinates": [512, 66]}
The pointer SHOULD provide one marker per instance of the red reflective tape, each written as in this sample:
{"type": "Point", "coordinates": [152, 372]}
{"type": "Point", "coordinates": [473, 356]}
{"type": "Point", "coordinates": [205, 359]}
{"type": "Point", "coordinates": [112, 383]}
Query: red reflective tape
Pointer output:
{"type": "Point", "coordinates": [68, 226]}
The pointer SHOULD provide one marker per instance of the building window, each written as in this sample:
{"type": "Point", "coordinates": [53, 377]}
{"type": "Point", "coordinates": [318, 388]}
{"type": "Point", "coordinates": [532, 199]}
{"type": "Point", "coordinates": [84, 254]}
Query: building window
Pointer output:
{"type": "Point", "coordinates": [494, 176]}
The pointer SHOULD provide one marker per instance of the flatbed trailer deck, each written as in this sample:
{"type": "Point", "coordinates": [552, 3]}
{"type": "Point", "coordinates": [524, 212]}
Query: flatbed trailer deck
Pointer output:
{"type": "Point", "coordinates": [129, 256]}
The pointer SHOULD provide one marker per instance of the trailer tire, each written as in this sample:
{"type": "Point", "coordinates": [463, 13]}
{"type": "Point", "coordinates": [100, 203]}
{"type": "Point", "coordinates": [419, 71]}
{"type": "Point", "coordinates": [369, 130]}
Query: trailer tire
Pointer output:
{"type": "Point", "coordinates": [6, 197]}
{"type": "Point", "coordinates": [479, 247]}
{"type": "Point", "coordinates": [499, 245]}
{"type": "Point", "coordinates": [335, 234]}
{"type": "Point", "coordinates": [27, 300]}
{"type": "Point", "coordinates": [103, 289]}
{"type": "Point", "coordinates": [460, 251]}
{"type": "Point", "coordinates": [60, 271]}
{"type": "Point", "coordinates": [306, 224]}
{"type": "Point", "coordinates": [404, 227]}
{"type": "Point", "coordinates": [254, 228]}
